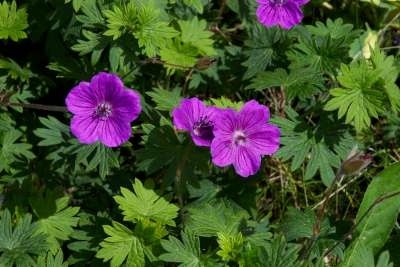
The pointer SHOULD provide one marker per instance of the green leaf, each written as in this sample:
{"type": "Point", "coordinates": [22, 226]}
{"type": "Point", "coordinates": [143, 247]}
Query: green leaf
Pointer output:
{"type": "Point", "coordinates": [150, 232]}
{"type": "Point", "coordinates": [152, 32]}
{"type": "Point", "coordinates": [365, 90]}
{"type": "Point", "coordinates": [94, 44]}
{"type": "Point", "coordinates": [71, 69]}
{"type": "Point", "coordinates": [10, 151]}
{"type": "Point", "coordinates": [224, 102]}
{"type": "Point", "coordinates": [51, 260]}
{"type": "Point", "coordinates": [13, 22]}
{"type": "Point", "coordinates": [19, 243]}
{"type": "Point", "coordinates": [256, 233]}
{"type": "Point", "coordinates": [299, 224]}
{"type": "Point", "coordinates": [215, 217]}
{"type": "Point", "coordinates": [195, 32]}
{"type": "Point", "coordinates": [322, 148]}
{"type": "Point", "coordinates": [322, 47]}
{"type": "Point", "coordinates": [388, 71]}
{"type": "Point", "coordinates": [376, 216]}
{"type": "Point", "coordinates": [336, 29]}
{"type": "Point", "coordinates": [105, 158]}
{"type": "Point", "coordinates": [363, 256]}
{"type": "Point", "coordinates": [263, 45]}
{"type": "Point", "coordinates": [121, 245]}
{"type": "Point", "coordinates": [55, 132]}
{"type": "Point", "coordinates": [145, 204]}
{"type": "Point", "coordinates": [230, 246]}
{"type": "Point", "coordinates": [114, 57]}
{"type": "Point", "coordinates": [165, 100]}
{"type": "Point", "coordinates": [178, 55]}
{"type": "Point", "coordinates": [57, 221]}
{"type": "Point", "coordinates": [92, 15]}
{"type": "Point", "coordinates": [301, 83]}
{"type": "Point", "coordinates": [118, 19]}
{"type": "Point", "coordinates": [193, 42]}
{"type": "Point", "coordinates": [97, 156]}
{"type": "Point", "coordinates": [196, 4]}
{"type": "Point", "coordinates": [186, 252]}
{"type": "Point", "coordinates": [362, 46]}
{"type": "Point", "coordinates": [244, 9]}
{"type": "Point", "coordinates": [280, 254]}
{"type": "Point", "coordinates": [76, 4]}
{"type": "Point", "coordinates": [156, 156]}
{"type": "Point", "coordinates": [204, 191]}
{"type": "Point", "coordinates": [15, 71]}
{"type": "Point", "coordinates": [384, 260]}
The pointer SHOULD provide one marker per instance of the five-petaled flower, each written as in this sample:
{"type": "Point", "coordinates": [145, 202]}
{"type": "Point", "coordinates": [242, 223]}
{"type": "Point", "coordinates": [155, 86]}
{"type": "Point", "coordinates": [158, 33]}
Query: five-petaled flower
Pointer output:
{"type": "Point", "coordinates": [285, 13]}
{"type": "Point", "coordinates": [194, 116]}
{"type": "Point", "coordinates": [242, 138]}
{"type": "Point", "coordinates": [103, 110]}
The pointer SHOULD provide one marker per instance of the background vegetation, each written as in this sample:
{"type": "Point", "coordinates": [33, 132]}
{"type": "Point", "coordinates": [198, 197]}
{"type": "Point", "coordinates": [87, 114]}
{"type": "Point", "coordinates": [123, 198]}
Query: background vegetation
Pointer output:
{"type": "Point", "coordinates": [331, 84]}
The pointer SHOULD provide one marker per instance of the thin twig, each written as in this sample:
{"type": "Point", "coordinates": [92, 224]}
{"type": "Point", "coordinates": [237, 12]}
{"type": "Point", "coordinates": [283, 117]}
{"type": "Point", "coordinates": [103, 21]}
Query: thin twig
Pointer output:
{"type": "Point", "coordinates": [320, 215]}
{"type": "Point", "coordinates": [37, 106]}
{"type": "Point", "coordinates": [341, 188]}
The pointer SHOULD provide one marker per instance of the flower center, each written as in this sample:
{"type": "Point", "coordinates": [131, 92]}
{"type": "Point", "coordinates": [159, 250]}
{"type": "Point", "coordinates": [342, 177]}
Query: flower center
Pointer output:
{"type": "Point", "coordinates": [103, 110]}
{"type": "Point", "coordinates": [239, 138]}
{"type": "Point", "coordinates": [278, 2]}
{"type": "Point", "coordinates": [203, 128]}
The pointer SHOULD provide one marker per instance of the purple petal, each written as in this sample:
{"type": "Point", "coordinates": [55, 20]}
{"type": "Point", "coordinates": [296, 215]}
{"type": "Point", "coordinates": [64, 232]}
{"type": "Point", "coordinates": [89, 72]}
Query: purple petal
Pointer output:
{"type": "Point", "coordinates": [225, 123]}
{"type": "Point", "coordinates": [200, 141]}
{"type": "Point", "coordinates": [221, 152]}
{"type": "Point", "coordinates": [246, 161]}
{"type": "Point", "coordinates": [264, 2]}
{"type": "Point", "coordinates": [127, 105]}
{"type": "Point", "coordinates": [267, 15]}
{"type": "Point", "coordinates": [286, 15]}
{"type": "Point", "coordinates": [187, 113]}
{"type": "Point", "coordinates": [212, 112]}
{"type": "Point", "coordinates": [252, 116]}
{"type": "Point", "coordinates": [84, 128]}
{"type": "Point", "coordinates": [290, 16]}
{"type": "Point", "coordinates": [266, 140]}
{"type": "Point", "coordinates": [81, 100]}
{"type": "Point", "coordinates": [114, 132]}
{"type": "Point", "coordinates": [202, 132]}
{"type": "Point", "coordinates": [106, 86]}
{"type": "Point", "coordinates": [301, 2]}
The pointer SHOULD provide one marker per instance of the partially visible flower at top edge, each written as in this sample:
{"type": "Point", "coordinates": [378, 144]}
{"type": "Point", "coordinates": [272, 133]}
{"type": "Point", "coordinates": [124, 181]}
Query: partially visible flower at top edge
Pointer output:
{"type": "Point", "coordinates": [194, 116]}
{"type": "Point", "coordinates": [103, 110]}
{"type": "Point", "coordinates": [242, 138]}
{"type": "Point", "coordinates": [285, 13]}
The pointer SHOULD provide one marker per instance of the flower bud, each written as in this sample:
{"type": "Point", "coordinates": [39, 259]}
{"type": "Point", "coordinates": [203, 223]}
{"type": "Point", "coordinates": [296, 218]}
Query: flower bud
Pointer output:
{"type": "Point", "coordinates": [355, 162]}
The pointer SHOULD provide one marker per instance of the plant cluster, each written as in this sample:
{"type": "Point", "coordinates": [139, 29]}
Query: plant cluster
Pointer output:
{"type": "Point", "coordinates": [199, 133]}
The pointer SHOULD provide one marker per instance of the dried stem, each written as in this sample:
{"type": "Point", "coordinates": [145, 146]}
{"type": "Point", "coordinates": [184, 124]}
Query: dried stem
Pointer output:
{"type": "Point", "coordinates": [320, 214]}
{"type": "Point", "coordinates": [38, 106]}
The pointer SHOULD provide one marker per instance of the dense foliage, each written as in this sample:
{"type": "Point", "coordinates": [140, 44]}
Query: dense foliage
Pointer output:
{"type": "Point", "coordinates": [316, 182]}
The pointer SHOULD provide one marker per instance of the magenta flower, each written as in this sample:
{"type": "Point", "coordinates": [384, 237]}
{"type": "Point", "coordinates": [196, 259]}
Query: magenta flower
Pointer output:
{"type": "Point", "coordinates": [194, 116]}
{"type": "Point", "coordinates": [103, 110]}
{"type": "Point", "coordinates": [242, 138]}
{"type": "Point", "coordinates": [285, 13]}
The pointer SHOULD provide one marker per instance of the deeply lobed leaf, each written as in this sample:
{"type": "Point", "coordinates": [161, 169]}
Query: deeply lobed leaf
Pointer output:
{"type": "Point", "coordinates": [145, 204]}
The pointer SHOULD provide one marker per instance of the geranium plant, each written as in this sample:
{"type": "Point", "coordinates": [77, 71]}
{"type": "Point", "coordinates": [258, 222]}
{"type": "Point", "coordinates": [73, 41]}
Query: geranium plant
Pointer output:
{"type": "Point", "coordinates": [199, 133]}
